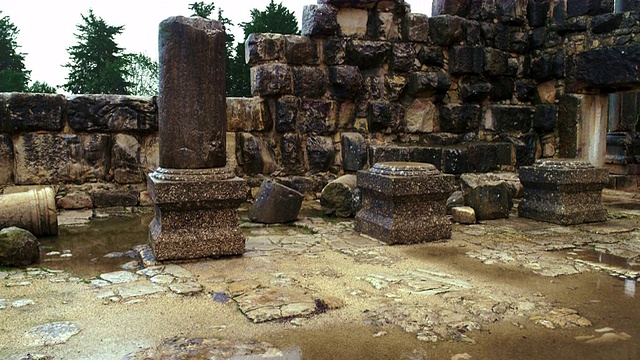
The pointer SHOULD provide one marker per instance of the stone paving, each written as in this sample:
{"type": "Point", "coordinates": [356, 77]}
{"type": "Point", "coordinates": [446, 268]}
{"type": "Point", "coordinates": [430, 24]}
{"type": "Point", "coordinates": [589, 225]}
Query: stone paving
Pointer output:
{"type": "Point", "coordinates": [318, 266]}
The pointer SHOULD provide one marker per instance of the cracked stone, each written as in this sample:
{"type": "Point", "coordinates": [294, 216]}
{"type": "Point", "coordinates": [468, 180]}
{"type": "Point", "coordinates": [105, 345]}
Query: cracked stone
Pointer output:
{"type": "Point", "coordinates": [119, 277]}
{"type": "Point", "coordinates": [52, 333]}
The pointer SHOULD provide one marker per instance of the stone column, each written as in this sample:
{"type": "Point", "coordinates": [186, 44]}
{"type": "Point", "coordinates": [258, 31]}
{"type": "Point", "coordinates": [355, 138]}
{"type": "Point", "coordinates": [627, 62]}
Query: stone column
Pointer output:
{"type": "Point", "coordinates": [195, 193]}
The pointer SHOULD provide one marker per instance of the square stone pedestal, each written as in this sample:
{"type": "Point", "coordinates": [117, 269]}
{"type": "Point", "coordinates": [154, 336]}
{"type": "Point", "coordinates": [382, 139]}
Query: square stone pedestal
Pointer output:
{"type": "Point", "coordinates": [196, 213]}
{"type": "Point", "coordinates": [563, 191]}
{"type": "Point", "coordinates": [404, 203]}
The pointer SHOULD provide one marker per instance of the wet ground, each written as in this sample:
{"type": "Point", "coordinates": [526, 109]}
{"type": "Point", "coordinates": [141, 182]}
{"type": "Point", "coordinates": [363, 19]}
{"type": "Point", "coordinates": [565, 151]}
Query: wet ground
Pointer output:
{"type": "Point", "coordinates": [503, 289]}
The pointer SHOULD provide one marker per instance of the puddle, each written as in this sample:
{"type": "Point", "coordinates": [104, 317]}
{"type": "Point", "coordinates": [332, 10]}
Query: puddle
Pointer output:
{"type": "Point", "coordinates": [81, 250]}
{"type": "Point", "coordinates": [606, 259]}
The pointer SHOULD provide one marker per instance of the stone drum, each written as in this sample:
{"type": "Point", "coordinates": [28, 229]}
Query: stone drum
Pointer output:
{"type": "Point", "coordinates": [404, 203]}
{"type": "Point", "coordinates": [563, 191]}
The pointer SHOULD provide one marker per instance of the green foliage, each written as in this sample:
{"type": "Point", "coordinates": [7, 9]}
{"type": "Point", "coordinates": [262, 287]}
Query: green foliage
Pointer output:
{"type": "Point", "coordinates": [13, 75]}
{"type": "Point", "coordinates": [142, 75]}
{"type": "Point", "coordinates": [276, 18]}
{"type": "Point", "coordinates": [201, 9]}
{"type": "Point", "coordinates": [41, 87]}
{"type": "Point", "coordinates": [98, 65]}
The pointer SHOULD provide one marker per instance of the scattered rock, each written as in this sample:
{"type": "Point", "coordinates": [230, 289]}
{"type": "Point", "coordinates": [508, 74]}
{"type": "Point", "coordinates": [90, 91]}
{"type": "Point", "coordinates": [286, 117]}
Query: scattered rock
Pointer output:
{"type": "Point", "coordinates": [609, 338]}
{"type": "Point", "coordinates": [339, 198]}
{"type": "Point", "coordinates": [266, 304]}
{"type": "Point", "coordinates": [275, 203]}
{"type": "Point", "coordinates": [119, 277]}
{"type": "Point", "coordinates": [464, 356]}
{"type": "Point", "coordinates": [18, 247]}
{"type": "Point", "coordinates": [186, 288]}
{"type": "Point", "coordinates": [177, 271]}
{"type": "Point", "coordinates": [22, 303]}
{"type": "Point", "coordinates": [52, 333]}
{"type": "Point", "coordinates": [463, 215]}
{"type": "Point", "coordinates": [220, 297]}
{"type": "Point", "coordinates": [21, 283]}
{"type": "Point", "coordinates": [488, 195]}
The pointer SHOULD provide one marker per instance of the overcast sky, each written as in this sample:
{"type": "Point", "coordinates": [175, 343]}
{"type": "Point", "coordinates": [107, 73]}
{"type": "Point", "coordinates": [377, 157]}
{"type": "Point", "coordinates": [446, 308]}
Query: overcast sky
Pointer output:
{"type": "Point", "coordinates": [47, 27]}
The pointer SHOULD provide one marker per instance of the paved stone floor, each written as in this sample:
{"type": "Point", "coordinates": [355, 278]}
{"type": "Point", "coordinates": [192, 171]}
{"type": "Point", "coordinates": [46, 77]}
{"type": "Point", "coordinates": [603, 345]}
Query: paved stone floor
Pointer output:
{"type": "Point", "coordinates": [314, 289]}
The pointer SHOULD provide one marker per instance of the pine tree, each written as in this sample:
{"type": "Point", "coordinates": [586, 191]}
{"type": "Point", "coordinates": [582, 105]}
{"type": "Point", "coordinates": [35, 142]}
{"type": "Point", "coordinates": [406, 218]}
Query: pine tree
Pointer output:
{"type": "Point", "coordinates": [13, 74]}
{"type": "Point", "coordinates": [98, 65]}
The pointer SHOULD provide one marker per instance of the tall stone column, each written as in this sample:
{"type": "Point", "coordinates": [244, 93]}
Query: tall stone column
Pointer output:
{"type": "Point", "coordinates": [195, 193]}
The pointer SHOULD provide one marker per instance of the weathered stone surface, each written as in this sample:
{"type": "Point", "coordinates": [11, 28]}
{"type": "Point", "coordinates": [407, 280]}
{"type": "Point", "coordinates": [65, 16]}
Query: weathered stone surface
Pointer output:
{"type": "Point", "coordinates": [344, 81]}
{"type": "Point", "coordinates": [52, 333]}
{"type": "Point", "coordinates": [463, 215]}
{"type": "Point", "coordinates": [386, 26]}
{"type": "Point", "coordinates": [119, 277]}
{"type": "Point", "coordinates": [446, 30]}
{"type": "Point", "coordinates": [538, 12]}
{"type": "Point", "coordinates": [466, 60]}
{"type": "Point", "coordinates": [473, 89]}
{"type": "Point", "coordinates": [75, 200]}
{"type": "Point", "coordinates": [125, 163]}
{"type": "Point", "coordinates": [416, 28]}
{"type": "Point", "coordinates": [425, 84]}
{"type": "Point", "coordinates": [320, 20]}
{"type": "Point", "coordinates": [496, 63]}
{"type": "Point", "coordinates": [508, 118]}
{"type": "Point", "coordinates": [403, 57]}
{"type": "Point", "coordinates": [545, 118]}
{"type": "Point", "coordinates": [353, 22]}
{"type": "Point", "coordinates": [18, 247]}
{"type": "Point", "coordinates": [301, 50]}
{"type": "Point", "coordinates": [388, 154]}
{"type": "Point", "coordinates": [50, 158]}
{"type": "Point", "coordinates": [6, 159]}
{"type": "Point", "coordinates": [421, 116]}
{"type": "Point", "coordinates": [261, 48]}
{"type": "Point", "coordinates": [502, 89]}
{"type": "Point", "coordinates": [404, 203]}
{"type": "Point", "coordinates": [334, 51]}
{"type": "Point", "coordinates": [430, 55]}
{"type": "Point", "coordinates": [132, 290]}
{"type": "Point", "coordinates": [186, 102]}
{"type": "Point", "coordinates": [455, 160]}
{"type": "Point", "coordinates": [459, 118]}
{"type": "Point", "coordinates": [275, 203]}
{"type": "Point", "coordinates": [271, 80]}
{"type": "Point", "coordinates": [110, 196]}
{"type": "Point", "coordinates": [354, 151]}
{"type": "Point", "coordinates": [254, 155]}
{"type": "Point", "coordinates": [512, 11]}
{"type": "Point", "coordinates": [563, 191]}
{"type": "Point", "coordinates": [111, 113]}
{"type": "Point", "coordinates": [286, 113]}
{"type": "Point", "coordinates": [267, 304]}
{"type": "Point", "coordinates": [549, 66]}
{"type": "Point", "coordinates": [584, 7]}
{"type": "Point", "coordinates": [150, 153]}
{"type": "Point", "coordinates": [292, 159]}
{"type": "Point", "coordinates": [32, 209]}
{"type": "Point", "coordinates": [394, 85]}
{"type": "Point", "coordinates": [319, 116]}
{"type": "Point", "coordinates": [320, 153]}
{"type": "Point", "coordinates": [248, 114]}
{"type": "Point", "coordinates": [385, 116]}
{"type": "Point", "coordinates": [603, 68]}
{"type": "Point", "coordinates": [33, 112]}
{"type": "Point", "coordinates": [488, 195]}
{"type": "Point", "coordinates": [450, 7]}
{"type": "Point", "coordinates": [367, 54]}
{"type": "Point", "coordinates": [429, 155]}
{"type": "Point", "coordinates": [309, 81]}
{"type": "Point", "coordinates": [339, 198]}
{"type": "Point", "coordinates": [483, 157]}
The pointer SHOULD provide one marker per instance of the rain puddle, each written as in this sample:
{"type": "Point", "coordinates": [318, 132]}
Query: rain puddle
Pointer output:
{"type": "Point", "coordinates": [102, 246]}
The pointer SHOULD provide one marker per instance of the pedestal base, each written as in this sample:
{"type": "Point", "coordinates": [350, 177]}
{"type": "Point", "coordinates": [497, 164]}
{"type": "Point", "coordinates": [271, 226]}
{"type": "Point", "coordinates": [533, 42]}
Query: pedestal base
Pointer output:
{"type": "Point", "coordinates": [196, 214]}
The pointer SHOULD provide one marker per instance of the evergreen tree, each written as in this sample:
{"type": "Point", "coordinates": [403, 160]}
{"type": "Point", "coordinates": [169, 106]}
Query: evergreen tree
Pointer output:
{"type": "Point", "coordinates": [276, 18]}
{"type": "Point", "coordinates": [41, 87]}
{"type": "Point", "coordinates": [98, 65]}
{"type": "Point", "coordinates": [142, 75]}
{"type": "Point", "coordinates": [13, 75]}
{"type": "Point", "coordinates": [200, 8]}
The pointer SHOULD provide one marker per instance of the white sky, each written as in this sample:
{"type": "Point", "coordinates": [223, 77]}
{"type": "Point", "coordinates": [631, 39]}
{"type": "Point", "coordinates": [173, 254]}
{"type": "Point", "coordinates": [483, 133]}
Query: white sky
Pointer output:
{"type": "Point", "coordinates": [47, 27]}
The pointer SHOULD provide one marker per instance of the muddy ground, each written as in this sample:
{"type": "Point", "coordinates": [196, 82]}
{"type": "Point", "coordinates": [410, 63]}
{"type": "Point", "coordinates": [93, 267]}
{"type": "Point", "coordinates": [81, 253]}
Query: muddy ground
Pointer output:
{"type": "Point", "coordinates": [314, 289]}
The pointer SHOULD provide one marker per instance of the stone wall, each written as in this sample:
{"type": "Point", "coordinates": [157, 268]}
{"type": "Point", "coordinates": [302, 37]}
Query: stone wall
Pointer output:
{"type": "Point", "coordinates": [483, 85]}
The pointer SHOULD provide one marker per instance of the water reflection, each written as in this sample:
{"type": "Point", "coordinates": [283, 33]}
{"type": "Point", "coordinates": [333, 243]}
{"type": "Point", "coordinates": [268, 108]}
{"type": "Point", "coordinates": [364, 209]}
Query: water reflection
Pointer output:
{"type": "Point", "coordinates": [286, 354]}
{"type": "Point", "coordinates": [630, 287]}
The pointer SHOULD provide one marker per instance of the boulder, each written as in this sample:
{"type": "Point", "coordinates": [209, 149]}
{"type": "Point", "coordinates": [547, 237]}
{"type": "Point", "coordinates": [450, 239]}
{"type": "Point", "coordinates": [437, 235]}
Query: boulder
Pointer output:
{"type": "Point", "coordinates": [338, 197]}
{"type": "Point", "coordinates": [18, 247]}
{"type": "Point", "coordinates": [275, 203]}
{"type": "Point", "coordinates": [463, 215]}
{"type": "Point", "coordinates": [490, 196]}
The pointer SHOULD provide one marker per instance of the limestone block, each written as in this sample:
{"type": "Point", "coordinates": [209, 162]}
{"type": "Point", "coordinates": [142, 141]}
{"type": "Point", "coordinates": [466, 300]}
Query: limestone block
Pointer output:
{"type": "Point", "coordinates": [125, 159]}
{"type": "Point", "coordinates": [301, 50]}
{"type": "Point", "coordinates": [610, 67]}
{"type": "Point", "coordinates": [389, 27]}
{"type": "Point", "coordinates": [394, 85]}
{"type": "Point", "coordinates": [275, 203]}
{"type": "Point", "coordinates": [309, 81]}
{"type": "Point", "coordinates": [318, 116]}
{"type": "Point", "coordinates": [320, 20]}
{"type": "Point", "coordinates": [404, 203]}
{"type": "Point", "coordinates": [563, 191]}
{"type": "Point", "coordinates": [446, 30]}
{"type": "Point", "coordinates": [260, 48]}
{"type": "Point", "coordinates": [339, 198]}
{"type": "Point", "coordinates": [254, 155]}
{"type": "Point", "coordinates": [6, 159]}
{"type": "Point", "coordinates": [353, 22]}
{"type": "Point", "coordinates": [367, 54]}
{"type": "Point", "coordinates": [426, 154]}
{"type": "Point", "coordinates": [51, 158]}
{"type": "Point", "coordinates": [425, 84]}
{"type": "Point", "coordinates": [488, 195]}
{"type": "Point", "coordinates": [463, 215]}
{"type": "Point", "coordinates": [248, 114]}
{"type": "Point", "coordinates": [292, 159]}
{"type": "Point", "coordinates": [271, 79]}
{"type": "Point", "coordinates": [421, 116]}
{"type": "Point", "coordinates": [466, 60]}
{"type": "Point", "coordinates": [320, 153]}
{"type": "Point", "coordinates": [75, 200]}
{"type": "Point", "coordinates": [545, 118]}
{"type": "Point", "coordinates": [344, 81]}
{"type": "Point", "coordinates": [450, 7]}
{"type": "Point", "coordinates": [112, 113]}
{"type": "Point", "coordinates": [347, 116]}
{"type": "Point", "coordinates": [403, 57]}
{"type": "Point", "coordinates": [286, 113]}
{"type": "Point", "coordinates": [457, 118]}
{"type": "Point", "coordinates": [538, 12]}
{"type": "Point", "coordinates": [150, 154]}
{"type": "Point", "coordinates": [354, 151]}
{"type": "Point", "coordinates": [33, 112]}
{"type": "Point", "coordinates": [33, 210]}
{"type": "Point", "coordinates": [455, 160]}
{"type": "Point", "coordinates": [416, 28]}
{"type": "Point", "coordinates": [508, 118]}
